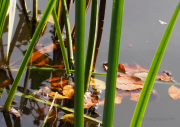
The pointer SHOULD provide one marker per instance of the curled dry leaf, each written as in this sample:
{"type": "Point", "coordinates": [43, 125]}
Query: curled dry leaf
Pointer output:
{"type": "Point", "coordinates": [68, 118]}
{"type": "Point", "coordinates": [97, 84]}
{"type": "Point", "coordinates": [174, 92]}
{"type": "Point", "coordinates": [129, 82]}
{"type": "Point", "coordinates": [90, 100]}
{"type": "Point", "coordinates": [68, 91]}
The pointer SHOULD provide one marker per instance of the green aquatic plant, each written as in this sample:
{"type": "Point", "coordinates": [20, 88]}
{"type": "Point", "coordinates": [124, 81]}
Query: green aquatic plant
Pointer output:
{"type": "Point", "coordinates": [149, 82]}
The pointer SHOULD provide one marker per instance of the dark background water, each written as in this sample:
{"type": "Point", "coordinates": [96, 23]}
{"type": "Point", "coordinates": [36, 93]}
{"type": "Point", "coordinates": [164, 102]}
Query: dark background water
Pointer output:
{"type": "Point", "coordinates": [141, 29]}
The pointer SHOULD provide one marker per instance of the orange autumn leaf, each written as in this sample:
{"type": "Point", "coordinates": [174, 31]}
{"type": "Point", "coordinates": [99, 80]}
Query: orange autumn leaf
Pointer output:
{"type": "Point", "coordinates": [15, 113]}
{"type": "Point", "coordinates": [164, 76]}
{"type": "Point", "coordinates": [68, 91]}
{"type": "Point", "coordinates": [174, 92]}
{"type": "Point", "coordinates": [90, 100]}
{"type": "Point", "coordinates": [132, 68]}
{"type": "Point", "coordinates": [129, 82]}
{"type": "Point", "coordinates": [58, 82]}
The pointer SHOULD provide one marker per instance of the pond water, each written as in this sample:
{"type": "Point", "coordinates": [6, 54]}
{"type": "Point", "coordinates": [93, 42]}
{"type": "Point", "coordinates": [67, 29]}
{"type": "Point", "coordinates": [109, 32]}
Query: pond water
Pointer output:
{"type": "Point", "coordinates": [141, 35]}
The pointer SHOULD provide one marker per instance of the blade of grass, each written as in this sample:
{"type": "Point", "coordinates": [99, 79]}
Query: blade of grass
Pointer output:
{"type": "Point", "coordinates": [79, 63]}
{"type": "Point", "coordinates": [11, 23]}
{"type": "Point", "coordinates": [91, 44]}
{"type": "Point", "coordinates": [61, 42]}
{"type": "Point", "coordinates": [3, 12]}
{"type": "Point", "coordinates": [149, 82]}
{"type": "Point", "coordinates": [26, 59]}
{"type": "Point", "coordinates": [68, 33]}
{"type": "Point", "coordinates": [113, 55]}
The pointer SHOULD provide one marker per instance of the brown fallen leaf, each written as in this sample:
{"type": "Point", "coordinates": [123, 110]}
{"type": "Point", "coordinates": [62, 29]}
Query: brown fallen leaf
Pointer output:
{"type": "Point", "coordinates": [174, 92]}
{"type": "Point", "coordinates": [59, 66]}
{"type": "Point", "coordinates": [5, 83]}
{"type": "Point", "coordinates": [58, 96]}
{"type": "Point", "coordinates": [97, 84]}
{"type": "Point", "coordinates": [164, 76]}
{"type": "Point", "coordinates": [15, 113]}
{"type": "Point", "coordinates": [68, 91]}
{"type": "Point", "coordinates": [129, 82]}
{"type": "Point", "coordinates": [90, 100]}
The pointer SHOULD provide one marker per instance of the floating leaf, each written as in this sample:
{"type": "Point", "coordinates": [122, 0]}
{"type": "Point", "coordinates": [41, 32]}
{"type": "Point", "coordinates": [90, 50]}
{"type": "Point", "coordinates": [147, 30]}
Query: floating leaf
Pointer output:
{"type": "Point", "coordinates": [58, 96]}
{"type": "Point", "coordinates": [97, 84]}
{"type": "Point", "coordinates": [129, 82]}
{"type": "Point", "coordinates": [68, 91]}
{"type": "Point", "coordinates": [68, 118]}
{"type": "Point", "coordinates": [174, 92]}
{"type": "Point", "coordinates": [90, 100]}
{"type": "Point", "coordinates": [58, 82]}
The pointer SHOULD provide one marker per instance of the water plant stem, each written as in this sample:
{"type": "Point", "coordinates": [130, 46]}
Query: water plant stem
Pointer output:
{"type": "Point", "coordinates": [68, 33]}
{"type": "Point", "coordinates": [91, 44]}
{"type": "Point", "coordinates": [34, 10]}
{"type": "Point", "coordinates": [79, 63]}
{"type": "Point", "coordinates": [113, 55]}
{"type": "Point", "coordinates": [26, 58]}
{"type": "Point", "coordinates": [61, 42]}
{"type": "Point", "coordinates": [149, 82]}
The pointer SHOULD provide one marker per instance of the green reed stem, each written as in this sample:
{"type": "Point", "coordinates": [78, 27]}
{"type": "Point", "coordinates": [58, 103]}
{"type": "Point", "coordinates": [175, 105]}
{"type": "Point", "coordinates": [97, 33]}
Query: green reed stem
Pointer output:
{"type": "Point", "coordinates": [91, 44]}
{"type": "Point", "coordinates": [68, 33]}
{"type": "Point", "coordinates": [3, 12]}
{"type": "Point", "coordinates": [148, 85]}
{"type": "Point", "coordinates": [27, 56]}
{"type": "Point", "coordinates": [79, 63]}
{"type": "Point", "coordinates": [61, 42]}
{"type": "Point", "coordinates": [114, 45]}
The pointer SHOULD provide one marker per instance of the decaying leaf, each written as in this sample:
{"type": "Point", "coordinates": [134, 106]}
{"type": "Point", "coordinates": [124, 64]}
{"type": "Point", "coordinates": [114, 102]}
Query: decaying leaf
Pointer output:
{"type": "Point", "coordinates": [5, 83]}
{"type": "Point", "coordinates": [174, 92]}
{"type": "Point", "coordinates": [129, 82]}
{"type": "Point", "coordinates": [15, 113]}
{"type": "Point", "coordinates": [97, 84]}
{"type": "Point", "coordinates": [68, 118]}
{"type": "Point", "coordinates": [90, 100]}
{"type": "Point", "coordinates": [68, 91]}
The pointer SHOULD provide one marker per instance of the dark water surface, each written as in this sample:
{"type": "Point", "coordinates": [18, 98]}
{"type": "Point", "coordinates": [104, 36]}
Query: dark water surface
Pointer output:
{"type": "Point", "coordinates": [141, 30]}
